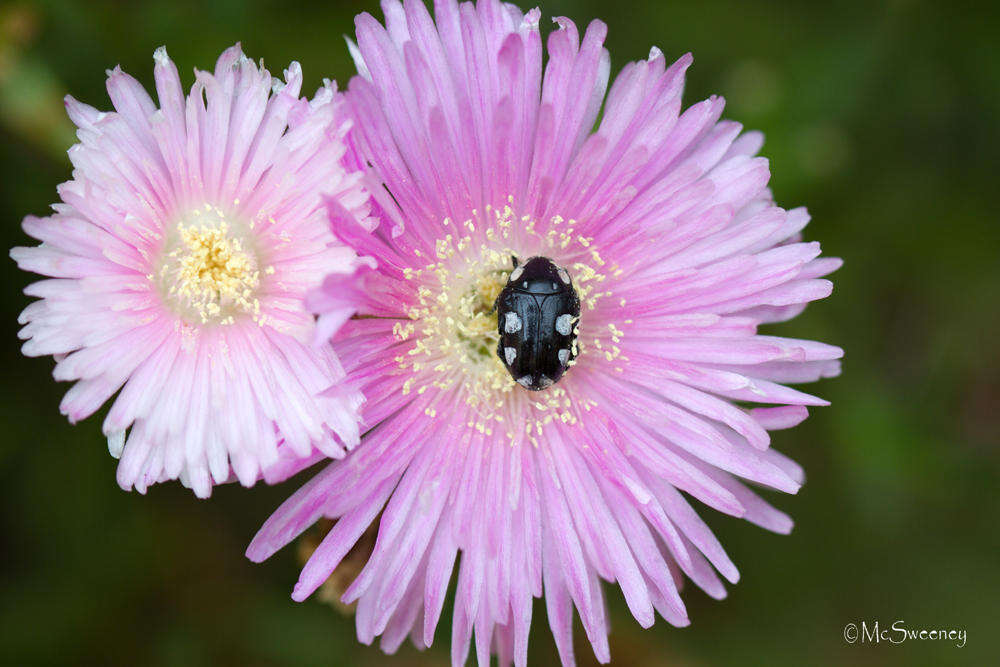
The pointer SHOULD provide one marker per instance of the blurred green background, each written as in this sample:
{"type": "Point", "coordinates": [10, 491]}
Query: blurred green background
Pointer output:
{"type": "Point", "coordinates": [882, 117]}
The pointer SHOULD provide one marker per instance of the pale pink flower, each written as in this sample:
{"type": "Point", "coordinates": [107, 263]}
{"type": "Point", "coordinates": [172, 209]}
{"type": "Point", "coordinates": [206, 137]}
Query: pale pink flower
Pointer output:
{"type": "Point", "coordinates": [477, 153]}
{"type": "Point", "coordinates": [177, 262]}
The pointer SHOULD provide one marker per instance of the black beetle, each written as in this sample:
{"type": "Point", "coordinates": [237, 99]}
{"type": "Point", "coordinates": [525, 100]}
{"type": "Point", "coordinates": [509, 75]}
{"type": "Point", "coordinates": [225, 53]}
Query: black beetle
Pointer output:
{"type": "Point", "coordinates": [537, 312]}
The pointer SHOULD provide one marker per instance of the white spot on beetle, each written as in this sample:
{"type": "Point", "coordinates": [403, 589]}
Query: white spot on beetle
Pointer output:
{"type": "Point", "coordinates": [564, 276]}
{"type": "Point", "coordinates": [516, 273]}
{"type": "Point", "coordinates": [510, 354]}
{"type": "Point", "coordinates": [564, 324]}
{"type": "Point", "coordinates": [545, 381]}
{"type": "Point", "coordinates": [524, 381]}
{"type": "Point", "coordinates": [512, 323]}
{"type": "Point", "coordinates": [563, 357]}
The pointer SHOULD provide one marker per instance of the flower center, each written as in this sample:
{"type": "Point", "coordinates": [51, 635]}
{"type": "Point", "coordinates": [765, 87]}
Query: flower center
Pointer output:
{"type": "Point", "coordinates": [210, 272]}
{"type": "Point", "coordinates": [452, 325]}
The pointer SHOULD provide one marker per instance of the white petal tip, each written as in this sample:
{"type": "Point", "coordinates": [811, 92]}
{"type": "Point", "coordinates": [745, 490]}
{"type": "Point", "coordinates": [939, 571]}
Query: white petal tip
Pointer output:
{"type": "Point", "coordinates": [531, 19]}
{"type": "Point", "coordinates": [116, 443]}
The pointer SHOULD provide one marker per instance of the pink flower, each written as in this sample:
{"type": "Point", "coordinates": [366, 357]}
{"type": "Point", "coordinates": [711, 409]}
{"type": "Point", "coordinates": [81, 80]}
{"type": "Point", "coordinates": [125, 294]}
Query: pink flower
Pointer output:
{"type": "Point", "coordinates": [177, 262]}
{"type": "Point", "coordinates": [663, 221]}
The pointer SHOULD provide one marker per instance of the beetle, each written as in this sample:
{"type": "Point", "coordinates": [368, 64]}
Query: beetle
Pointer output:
{"type": "Point", "coordinates": [537, 313]}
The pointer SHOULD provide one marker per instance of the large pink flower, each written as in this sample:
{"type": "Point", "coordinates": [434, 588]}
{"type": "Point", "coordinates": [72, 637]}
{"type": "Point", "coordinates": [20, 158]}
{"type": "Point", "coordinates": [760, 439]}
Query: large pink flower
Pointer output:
{"type": "Point", "coordinates": [662, 219]}
{"type": "Point", "coordinates": [178, 259]}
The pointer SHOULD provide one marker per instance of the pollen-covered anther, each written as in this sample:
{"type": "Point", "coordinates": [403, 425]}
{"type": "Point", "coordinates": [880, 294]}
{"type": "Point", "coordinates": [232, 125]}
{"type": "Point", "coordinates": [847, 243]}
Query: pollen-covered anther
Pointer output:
{"type": "Point", "coordinates": [209, 271]}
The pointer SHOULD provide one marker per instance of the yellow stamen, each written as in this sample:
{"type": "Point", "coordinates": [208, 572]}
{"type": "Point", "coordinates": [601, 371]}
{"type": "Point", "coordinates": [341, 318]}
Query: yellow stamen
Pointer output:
{"type": "Point", "coordinates": [209, 272]}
